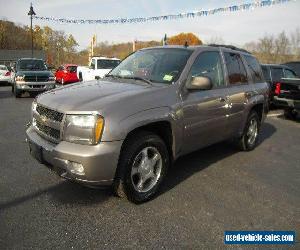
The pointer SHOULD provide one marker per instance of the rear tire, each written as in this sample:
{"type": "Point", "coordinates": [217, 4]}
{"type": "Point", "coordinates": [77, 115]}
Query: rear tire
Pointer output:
{"type": "Point", "coordinates": [249, 139]}
{"type": "Point", "coordinates": [289, 113]}
{"type": "Point", "coordinates": [143, 164]}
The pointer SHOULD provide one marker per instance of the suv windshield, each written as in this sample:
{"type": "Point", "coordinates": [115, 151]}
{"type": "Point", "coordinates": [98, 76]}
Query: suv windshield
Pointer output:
{"type": "Point", "coordinates": [162, 65]}
{"type": "Point", "coordinates": [31, 64]}
{"type": "Point", "coordinates": [107, 64]}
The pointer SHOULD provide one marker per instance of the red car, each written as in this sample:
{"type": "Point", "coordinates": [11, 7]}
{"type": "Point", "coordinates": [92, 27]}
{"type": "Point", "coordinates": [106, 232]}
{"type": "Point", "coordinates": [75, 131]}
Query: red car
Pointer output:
{"type": "Point", "coordinates": [66, 74]}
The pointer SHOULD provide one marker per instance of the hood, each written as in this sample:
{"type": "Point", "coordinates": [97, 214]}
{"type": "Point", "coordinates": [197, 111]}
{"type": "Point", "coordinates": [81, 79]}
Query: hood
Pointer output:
{"type": "Point", "coordinates": [89, 96]}
{"type": "Point", "coordinates": [34, 73]}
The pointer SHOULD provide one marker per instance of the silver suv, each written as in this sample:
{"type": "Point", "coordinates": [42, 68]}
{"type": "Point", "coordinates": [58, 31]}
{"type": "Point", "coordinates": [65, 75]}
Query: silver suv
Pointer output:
{"type": "Point", "coordinates": [159, 104]}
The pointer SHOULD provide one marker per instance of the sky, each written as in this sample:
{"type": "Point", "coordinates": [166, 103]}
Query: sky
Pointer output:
{"type": "Point", "coordinates": [234, 28]}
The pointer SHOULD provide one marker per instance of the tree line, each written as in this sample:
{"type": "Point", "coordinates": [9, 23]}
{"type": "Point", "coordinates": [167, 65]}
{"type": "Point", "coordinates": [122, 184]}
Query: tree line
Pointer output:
{"type": "Point", "coordinates": [61, 48]}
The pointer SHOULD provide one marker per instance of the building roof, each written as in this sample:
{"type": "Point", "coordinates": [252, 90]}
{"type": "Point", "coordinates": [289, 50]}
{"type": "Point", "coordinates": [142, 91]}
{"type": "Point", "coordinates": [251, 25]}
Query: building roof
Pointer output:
{"type": "Point", "coordinates": [14, 55]}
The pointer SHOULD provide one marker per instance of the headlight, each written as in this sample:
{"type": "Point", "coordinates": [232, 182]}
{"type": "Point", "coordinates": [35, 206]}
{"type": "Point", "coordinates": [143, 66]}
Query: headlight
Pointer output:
{"type": "Point", "coordinates": [83, 129]}
{"type": "Point", "coordinates": [20, 79]}
{"type": "Point", "coordinates": [51, 78]}
{"type": "Point", "coordinates": [34, 104]}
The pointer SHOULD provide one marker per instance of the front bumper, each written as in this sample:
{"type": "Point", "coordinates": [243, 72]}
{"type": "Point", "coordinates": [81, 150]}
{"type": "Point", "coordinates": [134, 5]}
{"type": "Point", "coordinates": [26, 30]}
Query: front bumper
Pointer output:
{"type": "Point", "coordinates": [35, 86]}
{"type": "Point", "coordinates": [99, 161]}
{"type": "Point", "coordinates": [286, 103]}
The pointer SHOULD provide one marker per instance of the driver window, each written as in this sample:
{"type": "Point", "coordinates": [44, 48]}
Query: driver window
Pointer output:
{"type": "Point", "coordinates": [208, 64]}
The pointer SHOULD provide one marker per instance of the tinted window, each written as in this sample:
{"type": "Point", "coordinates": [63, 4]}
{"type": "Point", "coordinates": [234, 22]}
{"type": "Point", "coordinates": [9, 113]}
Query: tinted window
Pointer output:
{"type": "Point", "coordinates": [254, 68]}
{"type": "Point", "coordinates": [277, 74]}
{"type": "Point", "coordinates": [295, 66]}
{"type": "Point", "coordinates": [31, 64]}
{"type": "Point", "coordinates": [266, 73]}
{"type": "Point", "coordinates": [289, 74]}
{"type": "Point", "coordinates": [236, 69]}
{"type": "Point", "coordinates": [72, 69]}
{"type": "Point", "coordinates": [208, 64]}
{"type": "Point", "coordinates": [107, 64]}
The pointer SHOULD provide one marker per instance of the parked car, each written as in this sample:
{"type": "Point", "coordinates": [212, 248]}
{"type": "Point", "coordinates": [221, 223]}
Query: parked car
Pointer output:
{"type": "Point", "coordinates": [32, 76]}
{"type": "Point", "coordinates": [295, 66]}
{"type": "Point", "coordinates": [158, 104]}
{"type": "Point", "coordinates": [66, 74]}
{"type": "Point", "coordinates": [4, 74]}
{"type": "Point", "coordinates": [287, 96]}
{"type": "Point", "coordinates": [273, 74]}
{"type": "Point", "coordinates": [98, 68]}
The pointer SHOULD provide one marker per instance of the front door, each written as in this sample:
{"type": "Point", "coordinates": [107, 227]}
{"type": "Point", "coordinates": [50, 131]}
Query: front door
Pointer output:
{"type": "Point", "coordinates": [205, 111]}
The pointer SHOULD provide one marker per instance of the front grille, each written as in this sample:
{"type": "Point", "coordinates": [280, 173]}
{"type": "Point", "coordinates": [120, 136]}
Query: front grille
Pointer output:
{"type": "Point", "coordinates": [36, 86]}
{"type": "Point", "coordinates": [36, 78]}
{"type": "Point", "coordinates": [51, 132]}
{"type": "Point", "coordinates": [49, 113]}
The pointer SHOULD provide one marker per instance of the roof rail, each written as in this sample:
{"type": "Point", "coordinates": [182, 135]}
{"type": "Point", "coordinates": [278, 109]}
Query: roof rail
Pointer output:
{"type": "Point", "coordinates": [230, 47]}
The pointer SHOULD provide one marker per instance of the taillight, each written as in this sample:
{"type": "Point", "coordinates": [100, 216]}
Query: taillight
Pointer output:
{"type": "Point", "coordinates": [7, 73]}
{"type": "Point", "coordinates": [277, 88]}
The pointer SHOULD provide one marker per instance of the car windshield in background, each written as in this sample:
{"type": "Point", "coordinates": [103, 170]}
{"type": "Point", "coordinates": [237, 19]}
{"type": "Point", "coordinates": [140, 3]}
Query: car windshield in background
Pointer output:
{"type": "Point", "coordinates": [32, 65]}
{"type": "Point", "coordinates": [156, 65]}
{"type": "Point", "coordinates": [72, 69]}
{"type": "Point", "coordinates": [107, 64]}
{"type": "Point", "coordinates": [2, 67]}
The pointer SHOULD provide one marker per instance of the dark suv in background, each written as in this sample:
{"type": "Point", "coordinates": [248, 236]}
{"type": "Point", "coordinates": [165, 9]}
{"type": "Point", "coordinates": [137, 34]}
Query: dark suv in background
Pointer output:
{"type": "Point", "coordinates": [273, 74]}
{"type": "Point", "coordinates": [32, 76]}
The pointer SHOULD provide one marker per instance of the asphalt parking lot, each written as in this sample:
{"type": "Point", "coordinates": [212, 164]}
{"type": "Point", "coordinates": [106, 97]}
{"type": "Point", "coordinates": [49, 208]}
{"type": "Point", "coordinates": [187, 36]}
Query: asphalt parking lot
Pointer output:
{"type": "Point", "coordinates": [206, 193]}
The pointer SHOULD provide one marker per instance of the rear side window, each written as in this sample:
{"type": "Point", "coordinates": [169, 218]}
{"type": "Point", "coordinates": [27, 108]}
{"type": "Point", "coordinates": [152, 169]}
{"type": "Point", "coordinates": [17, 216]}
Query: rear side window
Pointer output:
{"type": "Point", "coordinates": [289, 74]}
{"type": "Point", "coordinates": [254, 68]}
{"type": "Point", "coordinates": [236, 69]}
{"type": "Point", "coordinates": [277, 74]}
{"type": "Point", "coordinates": [266, 73]}
{"type": "Point", "coordinates": [208, 64]}
{"type": "Point", "coordinates": [72, 69]}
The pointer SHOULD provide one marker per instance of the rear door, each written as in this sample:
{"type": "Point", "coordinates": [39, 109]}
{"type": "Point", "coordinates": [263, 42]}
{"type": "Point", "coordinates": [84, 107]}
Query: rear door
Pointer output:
{"type": "Point", "coordinates": [240, 90]}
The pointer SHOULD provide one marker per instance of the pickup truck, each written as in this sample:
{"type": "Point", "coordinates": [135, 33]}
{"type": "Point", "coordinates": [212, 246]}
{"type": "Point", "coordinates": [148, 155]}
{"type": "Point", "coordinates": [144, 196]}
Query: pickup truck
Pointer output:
{"type": "Point", "coordinates": [160, 103]}
{"type": "Point", "coordinates": [273, 74]}
{"type": "Point", "coordinates": [32, 75]}
{"type": "Point", "coordinates": [287, 96]}
{"type": "Point", "coordinates": [98, 68]}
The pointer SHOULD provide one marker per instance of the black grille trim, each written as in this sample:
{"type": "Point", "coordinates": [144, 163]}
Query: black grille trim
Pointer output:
{"type": "Point", "coordinates": [51, 132]}
{"type": "Point", "coordinates": [49, 113]}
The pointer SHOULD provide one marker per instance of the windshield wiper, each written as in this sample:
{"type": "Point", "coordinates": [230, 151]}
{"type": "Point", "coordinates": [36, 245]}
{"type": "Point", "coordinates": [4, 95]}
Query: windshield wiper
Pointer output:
{"type": "Point", "coordinates": [131, 77]}
{"type": "Point", "coordinates": [139, 78]}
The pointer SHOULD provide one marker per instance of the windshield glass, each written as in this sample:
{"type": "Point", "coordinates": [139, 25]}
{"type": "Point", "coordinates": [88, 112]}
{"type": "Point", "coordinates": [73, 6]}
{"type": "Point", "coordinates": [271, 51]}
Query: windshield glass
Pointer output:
{"type": "Point", "coordinates": [107, 64]}
{"type": "Point", "coordinates": [156, 65]}
{"type": "Point", "coordinates": [32, 65]}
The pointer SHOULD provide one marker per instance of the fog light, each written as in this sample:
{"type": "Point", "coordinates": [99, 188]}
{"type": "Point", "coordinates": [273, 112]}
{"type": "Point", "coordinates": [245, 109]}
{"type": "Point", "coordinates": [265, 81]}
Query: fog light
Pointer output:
{"type": "Point", "coordinates": [76, 168]}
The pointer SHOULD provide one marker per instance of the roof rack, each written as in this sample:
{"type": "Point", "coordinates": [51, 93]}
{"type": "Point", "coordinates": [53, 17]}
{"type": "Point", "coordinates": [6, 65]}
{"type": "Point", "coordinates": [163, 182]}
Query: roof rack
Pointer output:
{"type": "Point", "coordinates": [229, 47]}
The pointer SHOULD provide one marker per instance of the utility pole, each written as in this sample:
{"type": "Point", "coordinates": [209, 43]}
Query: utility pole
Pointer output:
{"type": "Point", "coordinates": [31, 13]}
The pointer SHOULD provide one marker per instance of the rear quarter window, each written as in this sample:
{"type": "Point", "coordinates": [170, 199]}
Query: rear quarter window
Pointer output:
{"type": "Point", "coordinates": [277, 73]}
{"type": "Point", "coordinates": [236, 70]}
{"type": "Point", "coordinates": [254, 68]}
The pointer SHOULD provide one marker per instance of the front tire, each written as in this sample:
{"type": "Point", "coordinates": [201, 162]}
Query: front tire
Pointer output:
{"type": "Point", "coordinates": [17, 92]}
{"type": "Point", "coordinates": [249, 139]}
{"type": "Point", "coordinates": [143, 164]}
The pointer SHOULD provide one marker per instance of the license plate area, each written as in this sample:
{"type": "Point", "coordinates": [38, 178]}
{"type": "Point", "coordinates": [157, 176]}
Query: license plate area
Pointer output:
{"type": "Point", "coordinates": [36, 151]}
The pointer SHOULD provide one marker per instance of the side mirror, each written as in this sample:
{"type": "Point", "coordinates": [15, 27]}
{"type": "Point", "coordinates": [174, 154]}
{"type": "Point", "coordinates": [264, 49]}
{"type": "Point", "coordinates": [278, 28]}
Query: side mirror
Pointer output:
{"type": "Point", "coordinates": [200, 83]}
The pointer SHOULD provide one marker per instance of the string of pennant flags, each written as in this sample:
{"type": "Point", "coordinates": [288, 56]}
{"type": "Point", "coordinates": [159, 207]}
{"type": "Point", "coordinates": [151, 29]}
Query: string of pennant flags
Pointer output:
{"type": "Point", "coordinates": [200, 13]}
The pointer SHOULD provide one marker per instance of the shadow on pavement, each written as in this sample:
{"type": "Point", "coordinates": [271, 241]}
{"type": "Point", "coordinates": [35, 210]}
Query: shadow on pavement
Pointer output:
{"type": "Point", "coordinates": [195, 162]}
{"type": "Point", "coordinates": [66, 193]}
